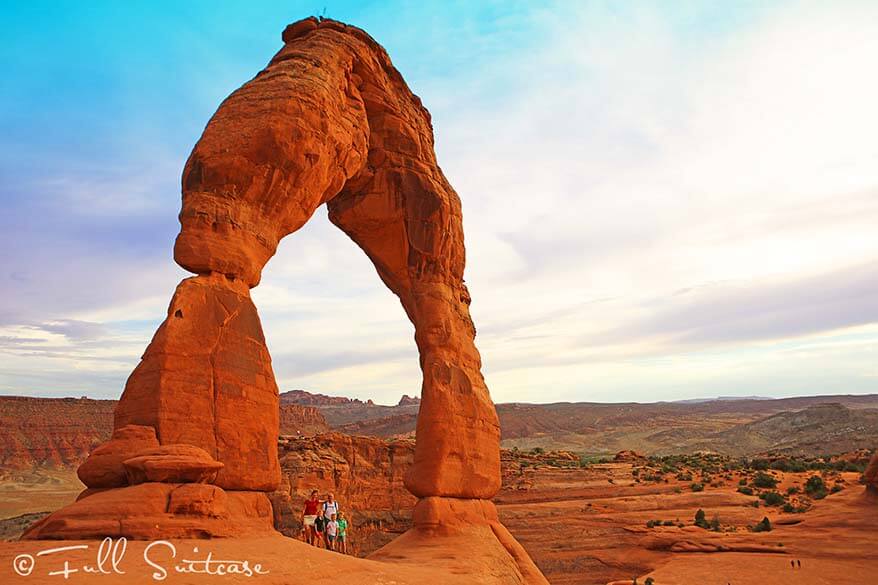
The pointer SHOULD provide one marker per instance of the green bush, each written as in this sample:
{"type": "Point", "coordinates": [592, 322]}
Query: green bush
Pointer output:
{"type": "Point", "coordinates": [764, 526]}
{"type": "Point", "coordinates": [792, 490]}
{"type": "Point", "coordinates": [815, 487]}
{"type": "Point", "coordinates": [747, 491]}
{"type": "Point", "coordinates": [697, 487]}
{"type": "Point", "coordinates": [764, 480]}
{"type": "Point", "coordinates": [772, 498]}
{"type": "Point", "coordinates": [701, 519]}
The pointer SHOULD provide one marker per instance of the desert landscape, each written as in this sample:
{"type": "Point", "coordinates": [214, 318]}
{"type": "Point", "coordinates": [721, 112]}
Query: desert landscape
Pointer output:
{"type": "Point", "coordinates": [586, 518]}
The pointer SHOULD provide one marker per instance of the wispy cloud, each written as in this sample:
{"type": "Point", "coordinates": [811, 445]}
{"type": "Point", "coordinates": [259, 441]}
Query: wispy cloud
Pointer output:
{"type": "Point", "coordinates": [659, 202]}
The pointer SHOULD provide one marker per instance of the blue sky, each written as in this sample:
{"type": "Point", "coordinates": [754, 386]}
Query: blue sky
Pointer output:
{"type": "Point", "coordinates": [662, 200]}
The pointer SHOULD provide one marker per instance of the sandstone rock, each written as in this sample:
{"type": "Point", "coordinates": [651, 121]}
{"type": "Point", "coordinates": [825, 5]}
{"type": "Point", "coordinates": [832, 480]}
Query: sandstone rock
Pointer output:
{"type": "Point", "coordinates": [871, 475]}
{"type": "Point", "coordinates": [51, 432]}
{"type": "Point", "coordinates": [206, 380]}
{"type": "Point", "coordinates": [296, 419]}
{"type": "Point", "coordinates": [198, 499]}
{"type": "Point", "coordinates": [150, 511]}
{"type": "Point", "coordinates": [172, 464]}
{"type": "Point", "coordinates": [366, 476]}
{"type": "Point", "coordinates": [328, 121]}
{"type": "Point", "coordinates": [104, 467]}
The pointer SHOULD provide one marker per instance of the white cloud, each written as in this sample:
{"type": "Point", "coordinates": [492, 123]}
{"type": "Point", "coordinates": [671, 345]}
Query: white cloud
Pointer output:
{"type": "Point", "coordinates": [631, 176]}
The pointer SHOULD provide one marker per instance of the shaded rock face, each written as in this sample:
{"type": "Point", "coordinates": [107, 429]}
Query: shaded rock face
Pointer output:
{"type": "Point", "coordinates": [871, 475]}
{"type": "Point", "coordinates": [366, 476]}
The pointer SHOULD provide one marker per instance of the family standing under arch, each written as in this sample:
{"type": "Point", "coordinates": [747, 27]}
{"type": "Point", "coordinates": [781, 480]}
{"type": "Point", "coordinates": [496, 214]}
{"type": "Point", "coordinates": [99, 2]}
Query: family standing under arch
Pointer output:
{"type": "Point", "coordinates": [324, 523]}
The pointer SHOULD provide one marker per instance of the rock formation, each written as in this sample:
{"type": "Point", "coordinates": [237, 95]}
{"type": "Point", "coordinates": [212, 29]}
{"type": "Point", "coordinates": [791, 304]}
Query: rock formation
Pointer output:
{"type": "Point", "coordinates": [51, 432]}
{"type": "Point", "coordinates": [328, 121]}
{"type": "Point", "coordinates": [871, 476]}
{"type": "Point", "coordinates": [365, 474]}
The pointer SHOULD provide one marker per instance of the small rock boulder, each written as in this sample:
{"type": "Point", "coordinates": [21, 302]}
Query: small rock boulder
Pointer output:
{"type": "Point", "coordinates": [104, 467]}
{"type": "Point", "coordinates": [172, 464]}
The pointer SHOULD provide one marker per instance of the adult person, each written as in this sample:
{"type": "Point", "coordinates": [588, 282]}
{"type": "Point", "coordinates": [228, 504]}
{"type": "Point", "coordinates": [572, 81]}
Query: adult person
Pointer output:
{"type": "Point", "coordinates": [309, 517]}
{"type": "Point", "coordinates": [330, 508]}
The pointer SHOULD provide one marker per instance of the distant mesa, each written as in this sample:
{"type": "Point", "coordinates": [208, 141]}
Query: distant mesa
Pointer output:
{"type": "Point", "coordinates": [407, 400]}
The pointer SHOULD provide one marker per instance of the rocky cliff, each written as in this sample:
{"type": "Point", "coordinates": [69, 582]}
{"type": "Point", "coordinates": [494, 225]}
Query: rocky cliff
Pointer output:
{"type": "Point", "coordinates": [51, 432]}
{"type": "Point", "coordinates": [365, 475]}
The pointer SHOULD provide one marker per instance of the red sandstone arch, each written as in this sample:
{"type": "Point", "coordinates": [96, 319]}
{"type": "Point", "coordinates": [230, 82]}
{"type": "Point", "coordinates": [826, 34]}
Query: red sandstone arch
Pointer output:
{"type": "Point", "coordinates": [328, 121]}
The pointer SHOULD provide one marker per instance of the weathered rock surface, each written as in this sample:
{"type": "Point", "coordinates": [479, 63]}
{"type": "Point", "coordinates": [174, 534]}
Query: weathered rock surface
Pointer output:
{"type": "Point", "coordinates": [365, 475]}
{"type": "Point", "coordinates": [206, 380]}
{"type": "Point", "coordinates": [104, 467]}
{"type": "Point", "coordinates": [300, 420]}
{"type": "Point", "coordinates": [172, 464]}
{"type": "Point", "coordinates": [871, 475]}
{"type": "Point", "coordinates": [155, 510]}
{"type": "Point", "coordinates": [330, 120]}
{"type": "Point", "coordinates": [51, 432]}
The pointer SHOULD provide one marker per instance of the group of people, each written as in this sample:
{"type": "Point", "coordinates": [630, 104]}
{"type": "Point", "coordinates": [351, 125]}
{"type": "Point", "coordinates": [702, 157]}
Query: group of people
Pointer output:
{"type": "Point", "coordinates": [324, 523]}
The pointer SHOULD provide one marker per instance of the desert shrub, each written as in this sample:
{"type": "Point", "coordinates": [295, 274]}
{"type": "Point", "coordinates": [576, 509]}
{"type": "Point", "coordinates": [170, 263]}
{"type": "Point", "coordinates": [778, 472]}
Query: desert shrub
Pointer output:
{"type": "Point", "coordinates": [755, 503]}
{"type": "Point", "coordinates": [763, 526]}
{"type": "Point", "coordinates": [759, 464]}
{"type": "Point", "coordinates": [747, 491]}
{"type": "Point", "coordinates": [772, 498]}
{"type": "Point", "coordinates": [715, 524]}
{"type": "Point", "coordinates": [792, 490]}
{"type": "Point", "coordinates": [815, 487]}
{"type": "Point", "coordinates": [836, 488]}
{"type": "Point", "coordinates": [789, 508]}
{"type": "Point", "coordinates": [668, 523]}
{"type": "Point", "coordinates": [764, 480]}
{"type": "Point", "coordinates": [701, 519]}
{"type": "Point", "coordinates": [697, 487]}
{"type": "Point", "coordinates": [684, 476]}
{"type": "Point", "coordinates": [653, 523]}
{"type": "Point", "coordinates": [649, 581]}
{"type": "Point", "coordinates": [537, 450]}
{"type": "Point", "coordinates": [742, 481]}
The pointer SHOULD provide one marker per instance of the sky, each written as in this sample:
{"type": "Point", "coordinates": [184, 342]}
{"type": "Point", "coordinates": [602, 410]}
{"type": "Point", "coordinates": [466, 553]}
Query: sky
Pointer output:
{"type": "Point", "coordinates": [662, 200]}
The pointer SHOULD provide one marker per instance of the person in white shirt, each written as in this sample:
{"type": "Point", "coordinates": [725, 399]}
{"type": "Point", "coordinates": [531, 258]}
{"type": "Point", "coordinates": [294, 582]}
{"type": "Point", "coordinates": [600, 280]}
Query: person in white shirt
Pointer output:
{"type": "Point", "coordinates": [331, 532]}
{"type": "Point", "coordinates": [330, 509]}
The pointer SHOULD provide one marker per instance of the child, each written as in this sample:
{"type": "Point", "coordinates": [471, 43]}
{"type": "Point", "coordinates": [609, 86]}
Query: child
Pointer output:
{"type": "Point", "coordinates": [319, 527]}
{"type": "Point", "coordinates": [331, 532]}
{"type": "Point", "coordinates": [341, 540]}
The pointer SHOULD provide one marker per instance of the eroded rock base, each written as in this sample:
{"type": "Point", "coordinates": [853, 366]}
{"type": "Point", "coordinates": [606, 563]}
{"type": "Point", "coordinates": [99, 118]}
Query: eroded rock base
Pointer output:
{"type": "Point", "coordinates": [454, 525]}
{"type": "Point", "coordinates": [150, 511]}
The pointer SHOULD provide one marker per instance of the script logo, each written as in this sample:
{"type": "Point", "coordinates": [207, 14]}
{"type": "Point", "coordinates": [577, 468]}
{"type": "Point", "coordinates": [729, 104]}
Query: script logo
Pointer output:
{"type": "Point", "coordinates": [110, 553]}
